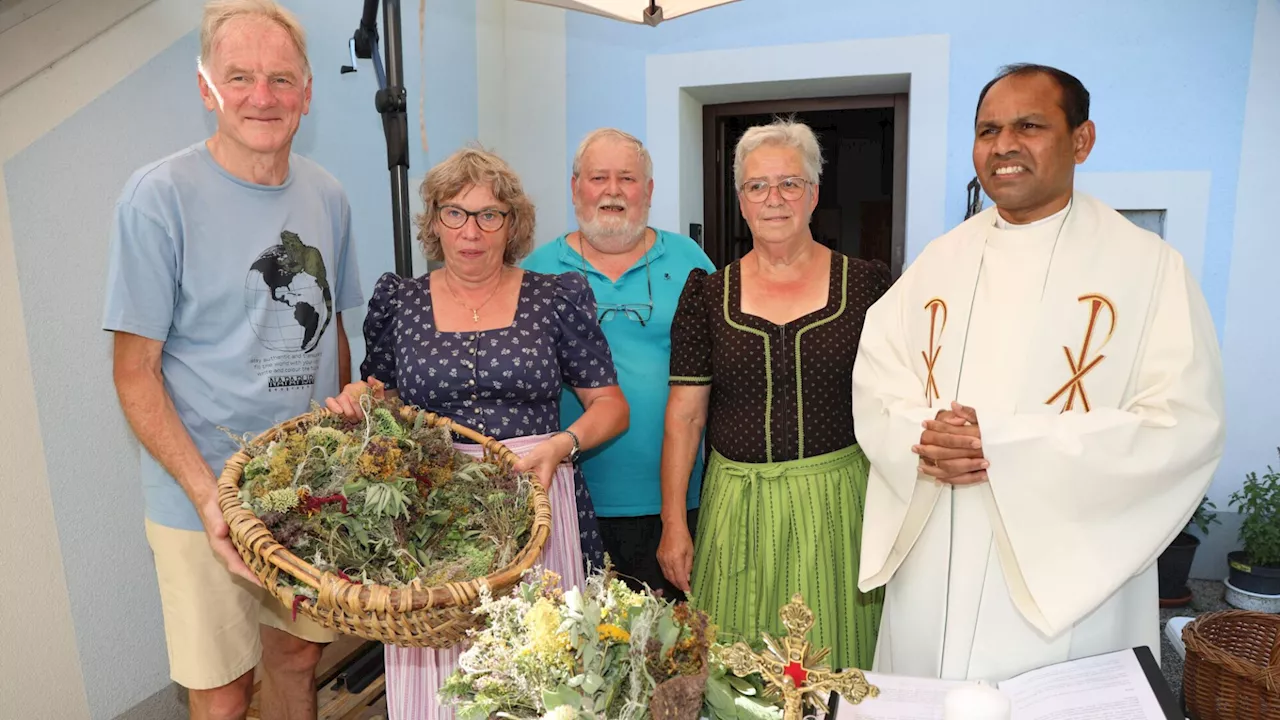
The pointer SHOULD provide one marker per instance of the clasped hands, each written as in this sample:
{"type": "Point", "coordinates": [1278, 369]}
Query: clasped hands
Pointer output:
{"type": "Point", "coordinates": [950, 447]}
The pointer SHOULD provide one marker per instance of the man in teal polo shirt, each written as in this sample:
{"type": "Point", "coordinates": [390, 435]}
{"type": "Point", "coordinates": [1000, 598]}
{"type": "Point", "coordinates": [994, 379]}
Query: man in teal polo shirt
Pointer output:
{"type": "Point", "coordinates": [637, 274]}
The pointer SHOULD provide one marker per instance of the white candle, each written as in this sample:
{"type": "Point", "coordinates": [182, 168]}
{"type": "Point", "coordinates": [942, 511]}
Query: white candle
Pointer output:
{"type": "Point", "coordinates": [976, 702]}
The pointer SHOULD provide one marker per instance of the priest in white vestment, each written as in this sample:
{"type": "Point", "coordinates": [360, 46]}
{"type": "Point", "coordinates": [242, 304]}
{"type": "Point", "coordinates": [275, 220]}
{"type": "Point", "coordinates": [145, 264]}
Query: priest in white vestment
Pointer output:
{"type": "Point", "coordinates": [1040, 396]}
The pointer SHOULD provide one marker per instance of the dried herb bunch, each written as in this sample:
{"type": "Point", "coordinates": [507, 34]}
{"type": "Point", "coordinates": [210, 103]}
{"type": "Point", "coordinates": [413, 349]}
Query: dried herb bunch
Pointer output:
{"type": "Point", "coordinates": [384, 500]}
{"type": "Point", "coordinates": [597, 652]}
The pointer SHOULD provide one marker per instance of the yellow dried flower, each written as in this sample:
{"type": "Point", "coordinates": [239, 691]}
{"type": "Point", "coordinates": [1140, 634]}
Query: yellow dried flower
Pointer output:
{"type": "Point", "coordinates": [613, 633]}
{"type": "Point", "coordinates": [542, 619]}
{"type": "Point", "coordinates": [381, 460]}
{"type": "Point", "coordinates": [282, 461]}
{"type": "Point", "coordinates": [545, 639]}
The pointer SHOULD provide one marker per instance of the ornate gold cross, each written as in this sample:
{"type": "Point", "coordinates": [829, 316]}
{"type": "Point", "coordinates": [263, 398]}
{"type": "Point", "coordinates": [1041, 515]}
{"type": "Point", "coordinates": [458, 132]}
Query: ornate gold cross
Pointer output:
{"type": "Point", "coordinates": [790, 670]}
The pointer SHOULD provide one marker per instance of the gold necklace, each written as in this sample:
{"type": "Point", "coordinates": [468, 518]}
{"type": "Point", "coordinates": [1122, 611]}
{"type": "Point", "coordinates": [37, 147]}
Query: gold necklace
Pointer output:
{"type": "Point", "coordinates": [475, 311]}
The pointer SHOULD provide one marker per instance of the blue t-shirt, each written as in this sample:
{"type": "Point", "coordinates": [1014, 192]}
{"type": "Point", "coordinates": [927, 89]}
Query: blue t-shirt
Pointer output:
{"type": "Point", "coordinates": [242, 283]}
{"type": "Point", "coordinates": [623, 474]}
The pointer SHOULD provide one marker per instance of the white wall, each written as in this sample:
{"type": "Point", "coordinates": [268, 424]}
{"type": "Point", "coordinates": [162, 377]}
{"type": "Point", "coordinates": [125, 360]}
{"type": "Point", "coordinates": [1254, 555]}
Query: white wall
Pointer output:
{"type": "Point", "coordinates": [520, 62]}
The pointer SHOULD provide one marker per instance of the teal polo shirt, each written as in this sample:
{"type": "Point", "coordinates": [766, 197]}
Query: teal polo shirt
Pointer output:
{"type": "Point", "coordinates": [623, 474]}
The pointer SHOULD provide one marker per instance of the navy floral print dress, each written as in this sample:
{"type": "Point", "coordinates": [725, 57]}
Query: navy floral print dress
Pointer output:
{"type": "Point", "coordinates": [504, 383]}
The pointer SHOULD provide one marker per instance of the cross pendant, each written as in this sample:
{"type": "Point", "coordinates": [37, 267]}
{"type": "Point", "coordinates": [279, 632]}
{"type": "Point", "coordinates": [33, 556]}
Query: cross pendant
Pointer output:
{"type": "Point", "coordinates": [475, 316]}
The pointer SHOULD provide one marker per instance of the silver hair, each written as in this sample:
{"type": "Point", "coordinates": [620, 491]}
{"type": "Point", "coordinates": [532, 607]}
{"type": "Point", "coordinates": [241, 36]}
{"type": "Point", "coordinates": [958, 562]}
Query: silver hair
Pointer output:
{"type": "Point", "coordinates": [612, 134]}
{"type": "Point", "coordinates": [218, 13]}
{"type": "Point", "coordinates": [782, 132]}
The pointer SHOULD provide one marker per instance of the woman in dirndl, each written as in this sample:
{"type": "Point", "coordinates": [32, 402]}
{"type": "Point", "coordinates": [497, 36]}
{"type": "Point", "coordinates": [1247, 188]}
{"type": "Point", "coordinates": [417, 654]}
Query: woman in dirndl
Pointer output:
{"type": "Point", "coordinates": [762, 355]}
{"type": "Point", "coordinates": [489, 345]}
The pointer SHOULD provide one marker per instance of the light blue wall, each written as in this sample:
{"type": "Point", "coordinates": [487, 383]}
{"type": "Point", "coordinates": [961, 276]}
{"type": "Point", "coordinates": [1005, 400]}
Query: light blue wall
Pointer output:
{"type": "Point", "coordinates": [344, 131]}
{"type": "Point", "coordinates": [1168, 79]}
{"type": "Point", "coordinates": [1251, 341]}
{"type": "Point", "coordinates": [61, 192]}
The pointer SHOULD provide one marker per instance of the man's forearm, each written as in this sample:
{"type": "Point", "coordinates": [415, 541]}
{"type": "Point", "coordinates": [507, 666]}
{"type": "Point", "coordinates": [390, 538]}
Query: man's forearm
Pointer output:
{"type": "Point", "coordinates": [154, 419]}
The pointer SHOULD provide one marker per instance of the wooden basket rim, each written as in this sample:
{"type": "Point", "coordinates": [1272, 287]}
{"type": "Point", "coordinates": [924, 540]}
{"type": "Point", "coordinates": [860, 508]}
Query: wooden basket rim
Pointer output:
{"type": "Point", "coordinates": [1265, 676]}
{"type": "Point", "coordinates": [374, 597]}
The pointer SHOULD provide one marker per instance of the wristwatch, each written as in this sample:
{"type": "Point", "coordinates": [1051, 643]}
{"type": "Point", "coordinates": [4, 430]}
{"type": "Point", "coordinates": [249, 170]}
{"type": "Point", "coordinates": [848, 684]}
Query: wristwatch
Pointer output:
{"type": "Point", "coordinates": [577, 446]}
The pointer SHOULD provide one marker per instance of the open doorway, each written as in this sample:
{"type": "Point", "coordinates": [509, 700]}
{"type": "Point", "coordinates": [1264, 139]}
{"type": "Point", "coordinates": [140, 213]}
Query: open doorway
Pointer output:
{"type": "Point", "coordinates": [861, 208]}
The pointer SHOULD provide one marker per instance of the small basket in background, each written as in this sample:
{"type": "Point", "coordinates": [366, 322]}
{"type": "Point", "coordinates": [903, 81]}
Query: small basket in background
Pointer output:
{"type": "Point", "coordinates": [1232, 670]}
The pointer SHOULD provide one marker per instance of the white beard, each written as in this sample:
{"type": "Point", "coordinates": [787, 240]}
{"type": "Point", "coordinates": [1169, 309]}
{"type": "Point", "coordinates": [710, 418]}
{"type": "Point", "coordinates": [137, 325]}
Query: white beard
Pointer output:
{"type": "Point", "coordinates": [613, 236]}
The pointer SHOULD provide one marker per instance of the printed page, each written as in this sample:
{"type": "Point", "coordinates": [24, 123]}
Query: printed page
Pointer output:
{"type": "Point", "coordinates": [1104, 687]}
{"type": "Point", "coordinates": [901, 698]}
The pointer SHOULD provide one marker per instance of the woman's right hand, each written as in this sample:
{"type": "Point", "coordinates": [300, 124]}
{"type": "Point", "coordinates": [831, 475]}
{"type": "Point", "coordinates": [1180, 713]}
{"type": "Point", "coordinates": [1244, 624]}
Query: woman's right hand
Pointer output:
{"type": "Point", "coordinates": [675, 553]}
{"type": "Point", "coordinates": [347, 403]}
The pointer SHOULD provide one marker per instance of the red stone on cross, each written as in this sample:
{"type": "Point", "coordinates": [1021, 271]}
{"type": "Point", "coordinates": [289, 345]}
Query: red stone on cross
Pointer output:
{"type": "Point", "coordinates": [796, 672]}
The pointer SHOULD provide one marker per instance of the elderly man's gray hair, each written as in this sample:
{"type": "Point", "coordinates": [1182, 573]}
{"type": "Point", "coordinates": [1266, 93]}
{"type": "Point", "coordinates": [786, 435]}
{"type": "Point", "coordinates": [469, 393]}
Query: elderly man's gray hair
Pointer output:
{"type": "Point", "coordinates": [782, 132]}
{"type": "Point", "coordinates": [612, 134]}
{"type": "Point", "coordinates": [218, 13]}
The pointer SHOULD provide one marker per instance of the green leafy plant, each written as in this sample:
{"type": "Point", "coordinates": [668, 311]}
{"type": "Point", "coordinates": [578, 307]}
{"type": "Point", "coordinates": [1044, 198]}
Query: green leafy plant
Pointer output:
{"type": "Point", "coordinates": [1204, 516]}
{"type": "Point", "coordinates": [733, 698]}
{"type": "Point", "coordinates": [385, 499]}
{"type": "Point", "coordinates": [1258, 502]}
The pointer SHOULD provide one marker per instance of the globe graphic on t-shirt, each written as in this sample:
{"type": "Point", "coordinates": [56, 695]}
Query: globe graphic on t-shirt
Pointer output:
{"type": "Point", "coordinates": [287, 309]}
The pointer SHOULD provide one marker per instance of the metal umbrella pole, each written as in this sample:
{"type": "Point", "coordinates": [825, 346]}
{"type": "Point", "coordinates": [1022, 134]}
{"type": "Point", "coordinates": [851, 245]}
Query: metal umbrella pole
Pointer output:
{"type": "Point", "coordinates": [391, 101]}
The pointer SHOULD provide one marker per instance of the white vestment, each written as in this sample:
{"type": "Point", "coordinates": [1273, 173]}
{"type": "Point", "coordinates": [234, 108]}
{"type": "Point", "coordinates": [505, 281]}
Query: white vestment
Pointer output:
{"type": "Point", "coordinates": [1089, 355]}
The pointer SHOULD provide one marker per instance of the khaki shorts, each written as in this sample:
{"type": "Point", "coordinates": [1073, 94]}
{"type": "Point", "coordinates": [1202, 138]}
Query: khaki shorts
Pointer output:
{"type": "Point", "coordinates": [211, 617]}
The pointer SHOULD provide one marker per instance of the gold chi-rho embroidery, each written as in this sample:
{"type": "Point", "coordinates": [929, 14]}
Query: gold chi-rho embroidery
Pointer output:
{"type": "Point", "coordinates": [1082, 365]}
{"type": "Point", "coordinates": [935, 347]}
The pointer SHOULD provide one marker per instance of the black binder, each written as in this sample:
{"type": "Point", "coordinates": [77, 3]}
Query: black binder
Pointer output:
{"type": "Point", "coordinates": [1155, 678]}
{"type": "Point", "coordinates": [1169, 704]}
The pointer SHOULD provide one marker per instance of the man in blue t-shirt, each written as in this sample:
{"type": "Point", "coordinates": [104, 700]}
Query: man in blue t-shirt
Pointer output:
{"type": "Point", "coordinates": [637, 274]}
{"type": "Point", "coordinates": [230, 263]}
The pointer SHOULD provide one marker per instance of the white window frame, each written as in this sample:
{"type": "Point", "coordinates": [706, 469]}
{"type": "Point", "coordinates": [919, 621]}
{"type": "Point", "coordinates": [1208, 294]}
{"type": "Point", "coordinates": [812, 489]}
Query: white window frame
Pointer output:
{"type": "Point", "coordinates": [678, 85]}
{"type": "Point", "coordinates": [1183, 195]}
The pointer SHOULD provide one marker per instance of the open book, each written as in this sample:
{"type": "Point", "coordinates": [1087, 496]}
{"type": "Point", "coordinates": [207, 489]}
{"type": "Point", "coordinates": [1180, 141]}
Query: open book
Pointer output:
{"type": "Point", "coordinates": [1123, 685]}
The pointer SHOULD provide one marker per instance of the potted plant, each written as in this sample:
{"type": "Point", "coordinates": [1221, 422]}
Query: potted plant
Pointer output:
{"type": "Point", "coordinates": [1255, 571]}
{"type": "Point", "coordinates": [1174, 565]}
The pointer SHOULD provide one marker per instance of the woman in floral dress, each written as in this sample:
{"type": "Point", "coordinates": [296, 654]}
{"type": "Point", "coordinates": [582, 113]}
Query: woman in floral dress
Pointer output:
{"type": "Point", "coordinates": [489, 345]}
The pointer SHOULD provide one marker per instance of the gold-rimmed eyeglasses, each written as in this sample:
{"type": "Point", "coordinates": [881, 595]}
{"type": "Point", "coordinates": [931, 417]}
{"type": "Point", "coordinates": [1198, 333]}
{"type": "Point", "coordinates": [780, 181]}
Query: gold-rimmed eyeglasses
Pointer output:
{"type": "Point", "coordinates": [791, 188]}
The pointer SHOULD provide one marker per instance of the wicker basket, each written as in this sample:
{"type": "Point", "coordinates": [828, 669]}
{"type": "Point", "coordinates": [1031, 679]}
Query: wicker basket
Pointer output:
{"type": "Point", "coordinates": [1233, 666]}
{"type": "Point", "coordinates": [437, 617]}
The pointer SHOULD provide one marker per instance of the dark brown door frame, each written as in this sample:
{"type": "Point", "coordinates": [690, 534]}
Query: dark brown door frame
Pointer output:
{"type": "Point", "coordinates": [714, 186]}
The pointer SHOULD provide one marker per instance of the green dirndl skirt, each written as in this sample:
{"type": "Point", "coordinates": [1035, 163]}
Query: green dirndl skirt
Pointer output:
{"type": "Point", "coordinates": [769, 530]}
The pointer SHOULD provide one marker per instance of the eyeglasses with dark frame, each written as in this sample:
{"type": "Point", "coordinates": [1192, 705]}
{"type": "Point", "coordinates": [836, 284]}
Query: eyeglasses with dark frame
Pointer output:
{"type": "Point", "coordinates": [488, 219]}
{"type": "Point", "coordinates": [640, 312]}
{"type": "Point", "coordinates": [791, 188]}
